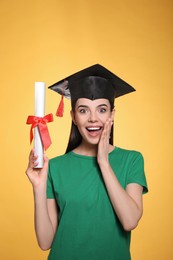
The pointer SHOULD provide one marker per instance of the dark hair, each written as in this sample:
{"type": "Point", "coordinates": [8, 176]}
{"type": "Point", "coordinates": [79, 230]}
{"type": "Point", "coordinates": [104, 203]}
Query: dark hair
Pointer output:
{"type": "Point", "coordinates": [76, 138]}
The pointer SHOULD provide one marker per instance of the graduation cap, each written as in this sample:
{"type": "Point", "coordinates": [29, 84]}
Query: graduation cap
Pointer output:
{"type": "Point", "coordinates": [93, 83]}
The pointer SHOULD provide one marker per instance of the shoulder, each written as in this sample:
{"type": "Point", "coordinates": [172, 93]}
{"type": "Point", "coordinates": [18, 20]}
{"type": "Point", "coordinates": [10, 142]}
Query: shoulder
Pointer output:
{"type": "Point", "coordinates": [59, 159]}
{"type": "Point", "coordinates": [58, 164]}
{"type": "Point", "coordinates": [125, 159]}
{"type": "Point", "coordinates": [128, 153]}
{"type": "Point", "coordinates": [126, 156]}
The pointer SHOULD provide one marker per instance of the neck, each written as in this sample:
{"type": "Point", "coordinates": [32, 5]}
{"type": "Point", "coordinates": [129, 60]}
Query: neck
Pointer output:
{"type": "Point", "coordinates": [89, 149]}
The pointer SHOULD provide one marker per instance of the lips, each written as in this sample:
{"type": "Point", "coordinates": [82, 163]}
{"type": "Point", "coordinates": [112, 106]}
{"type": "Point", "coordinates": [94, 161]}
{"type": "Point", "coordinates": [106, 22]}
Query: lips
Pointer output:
{"type": "Point", "coordinates": [93, 128]}
{"type": "Point", "coordinates": [94, 131]}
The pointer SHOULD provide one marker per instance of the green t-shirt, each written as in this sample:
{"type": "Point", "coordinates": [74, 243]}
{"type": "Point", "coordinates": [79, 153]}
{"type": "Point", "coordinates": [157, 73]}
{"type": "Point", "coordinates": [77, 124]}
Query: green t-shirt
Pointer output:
{"type": "Point", "coordinates": [88, 227]}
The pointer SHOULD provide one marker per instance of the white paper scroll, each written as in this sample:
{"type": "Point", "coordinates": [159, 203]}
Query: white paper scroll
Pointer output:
{"type": "Point", "coordinates": [40, 91]}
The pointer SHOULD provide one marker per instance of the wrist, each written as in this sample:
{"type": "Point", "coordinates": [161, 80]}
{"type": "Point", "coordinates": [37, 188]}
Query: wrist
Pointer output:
{"type": "Point", "coordinates": [41, 188]}
{"type": "Point", "coordinates": [104, 164]}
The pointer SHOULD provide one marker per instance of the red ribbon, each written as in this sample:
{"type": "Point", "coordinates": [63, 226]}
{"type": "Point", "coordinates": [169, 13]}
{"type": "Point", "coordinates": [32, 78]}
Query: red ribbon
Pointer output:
{"type": "Point", "coordinates": [41, 123]}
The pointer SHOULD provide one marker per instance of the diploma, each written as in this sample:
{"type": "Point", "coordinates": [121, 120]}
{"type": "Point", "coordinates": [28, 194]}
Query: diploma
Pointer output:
{"type": "Point", "coordinates": [38, 123]}
{"type": "Point", "coordinates": [40, 90]}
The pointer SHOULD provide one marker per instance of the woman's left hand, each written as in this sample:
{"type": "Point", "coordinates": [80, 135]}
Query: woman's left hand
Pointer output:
{"type": "Point", "coordinates": [103, 145]}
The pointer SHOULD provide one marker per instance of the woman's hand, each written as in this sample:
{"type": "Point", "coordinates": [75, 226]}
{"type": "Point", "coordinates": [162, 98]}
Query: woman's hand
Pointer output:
{"type": "Point", "coordinates": [37, 176]}
{"type": "Point", "coordinates": [103, 145]}
{"type": "Point", "coordinates": [45, 210]}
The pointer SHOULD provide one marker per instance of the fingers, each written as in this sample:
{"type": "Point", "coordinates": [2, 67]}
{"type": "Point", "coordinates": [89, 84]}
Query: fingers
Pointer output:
{"type": "Point", "coordinates": [106, 131]}
{"type": "Point", "coordinates": [32, 161]}
{"type": "Point", "coordinates": [46, 161]}
{"type": "Point", "coordinates": [103, 146]}
{"type": "Point", "coordinates": [107, 127]}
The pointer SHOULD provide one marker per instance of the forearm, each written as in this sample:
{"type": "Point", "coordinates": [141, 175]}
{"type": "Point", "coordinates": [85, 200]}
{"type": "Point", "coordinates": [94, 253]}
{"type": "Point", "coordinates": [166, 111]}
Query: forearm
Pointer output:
{"type": "Point", "coordinates": [124, 205]}
{"type": "Point", "coordinates": [43, 226]}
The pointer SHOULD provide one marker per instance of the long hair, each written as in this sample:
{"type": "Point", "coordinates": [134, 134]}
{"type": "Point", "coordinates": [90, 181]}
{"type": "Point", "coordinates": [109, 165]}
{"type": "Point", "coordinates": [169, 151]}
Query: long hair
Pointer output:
{"type": "Point", "coordinates": [75, 136]}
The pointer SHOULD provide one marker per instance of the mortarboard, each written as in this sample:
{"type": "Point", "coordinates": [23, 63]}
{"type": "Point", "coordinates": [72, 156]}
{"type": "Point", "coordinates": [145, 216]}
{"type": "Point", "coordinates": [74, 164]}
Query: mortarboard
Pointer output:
{"type": "Point", "coordinates": [93, 83]}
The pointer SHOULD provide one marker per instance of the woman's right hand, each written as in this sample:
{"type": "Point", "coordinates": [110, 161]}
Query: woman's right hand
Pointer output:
{"type": "Point", "coordinates": [37, 176]}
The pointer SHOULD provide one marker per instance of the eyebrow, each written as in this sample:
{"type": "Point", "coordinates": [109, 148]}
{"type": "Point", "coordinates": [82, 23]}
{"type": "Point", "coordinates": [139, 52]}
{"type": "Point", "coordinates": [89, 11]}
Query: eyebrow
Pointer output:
{"type": "Point", "coordinates": [101, 105]}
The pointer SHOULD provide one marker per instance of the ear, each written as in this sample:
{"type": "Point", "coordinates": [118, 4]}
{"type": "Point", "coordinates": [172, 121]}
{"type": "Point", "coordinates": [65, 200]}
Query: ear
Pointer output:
{"type": "Point", "coordinates": [73, 116]}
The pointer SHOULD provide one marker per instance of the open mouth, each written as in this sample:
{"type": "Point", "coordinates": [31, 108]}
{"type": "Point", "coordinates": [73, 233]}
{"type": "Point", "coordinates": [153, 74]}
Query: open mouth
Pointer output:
{"type": "Point", "coordinates": [93, 129]}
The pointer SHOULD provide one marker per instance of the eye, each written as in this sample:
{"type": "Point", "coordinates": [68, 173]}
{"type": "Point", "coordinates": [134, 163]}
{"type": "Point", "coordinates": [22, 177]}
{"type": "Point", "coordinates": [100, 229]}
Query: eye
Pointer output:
{"type": "Point", "coordinates": [102, 110]}
{"type": "Point", "coordinates": [83, 110]}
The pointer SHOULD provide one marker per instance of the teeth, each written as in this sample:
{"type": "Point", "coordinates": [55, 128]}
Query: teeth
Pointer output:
{"type": "Point", "coordinates": [93, 128]}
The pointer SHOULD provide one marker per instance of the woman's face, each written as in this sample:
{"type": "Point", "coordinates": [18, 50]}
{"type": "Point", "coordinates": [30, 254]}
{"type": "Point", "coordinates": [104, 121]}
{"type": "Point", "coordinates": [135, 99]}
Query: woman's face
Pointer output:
{"type": "Point", "coordinates": [90, 116]}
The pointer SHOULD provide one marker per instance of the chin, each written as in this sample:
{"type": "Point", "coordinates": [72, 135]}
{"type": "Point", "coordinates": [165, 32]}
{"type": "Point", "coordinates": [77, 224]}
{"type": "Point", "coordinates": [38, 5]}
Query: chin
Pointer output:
{"type": "Point", "coordinates": [93, 141]}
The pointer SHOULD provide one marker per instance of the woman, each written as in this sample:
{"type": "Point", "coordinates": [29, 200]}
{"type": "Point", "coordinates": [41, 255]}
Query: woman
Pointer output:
{"type": "Point", "coordinates": [90, 198]}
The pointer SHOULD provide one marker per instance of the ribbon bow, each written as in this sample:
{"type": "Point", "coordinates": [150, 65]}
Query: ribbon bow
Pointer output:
{"type": "Point", "coordinates": [41, 123]}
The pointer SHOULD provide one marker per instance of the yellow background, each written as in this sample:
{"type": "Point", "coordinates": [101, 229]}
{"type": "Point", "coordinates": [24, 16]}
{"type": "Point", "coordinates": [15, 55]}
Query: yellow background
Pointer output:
{"type": "Point", "coordinates": [46, 40]}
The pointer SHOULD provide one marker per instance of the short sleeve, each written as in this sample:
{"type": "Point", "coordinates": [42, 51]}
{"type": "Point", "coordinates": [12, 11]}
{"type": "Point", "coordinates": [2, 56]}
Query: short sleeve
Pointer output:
{"type": "Point", "coordinates": [137, 173]}
{"type": "Point", "coordinates": [50, 189]}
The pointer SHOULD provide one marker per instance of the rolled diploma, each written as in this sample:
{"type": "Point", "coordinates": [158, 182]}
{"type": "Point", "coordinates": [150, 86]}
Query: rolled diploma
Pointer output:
{"type": "Point", "coordinates": [40, 89]}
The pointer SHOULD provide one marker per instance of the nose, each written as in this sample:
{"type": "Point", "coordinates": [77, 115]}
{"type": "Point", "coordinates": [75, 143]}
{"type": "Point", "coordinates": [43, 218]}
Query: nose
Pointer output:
{"type": "Point", "coordinates": [92, 117]}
